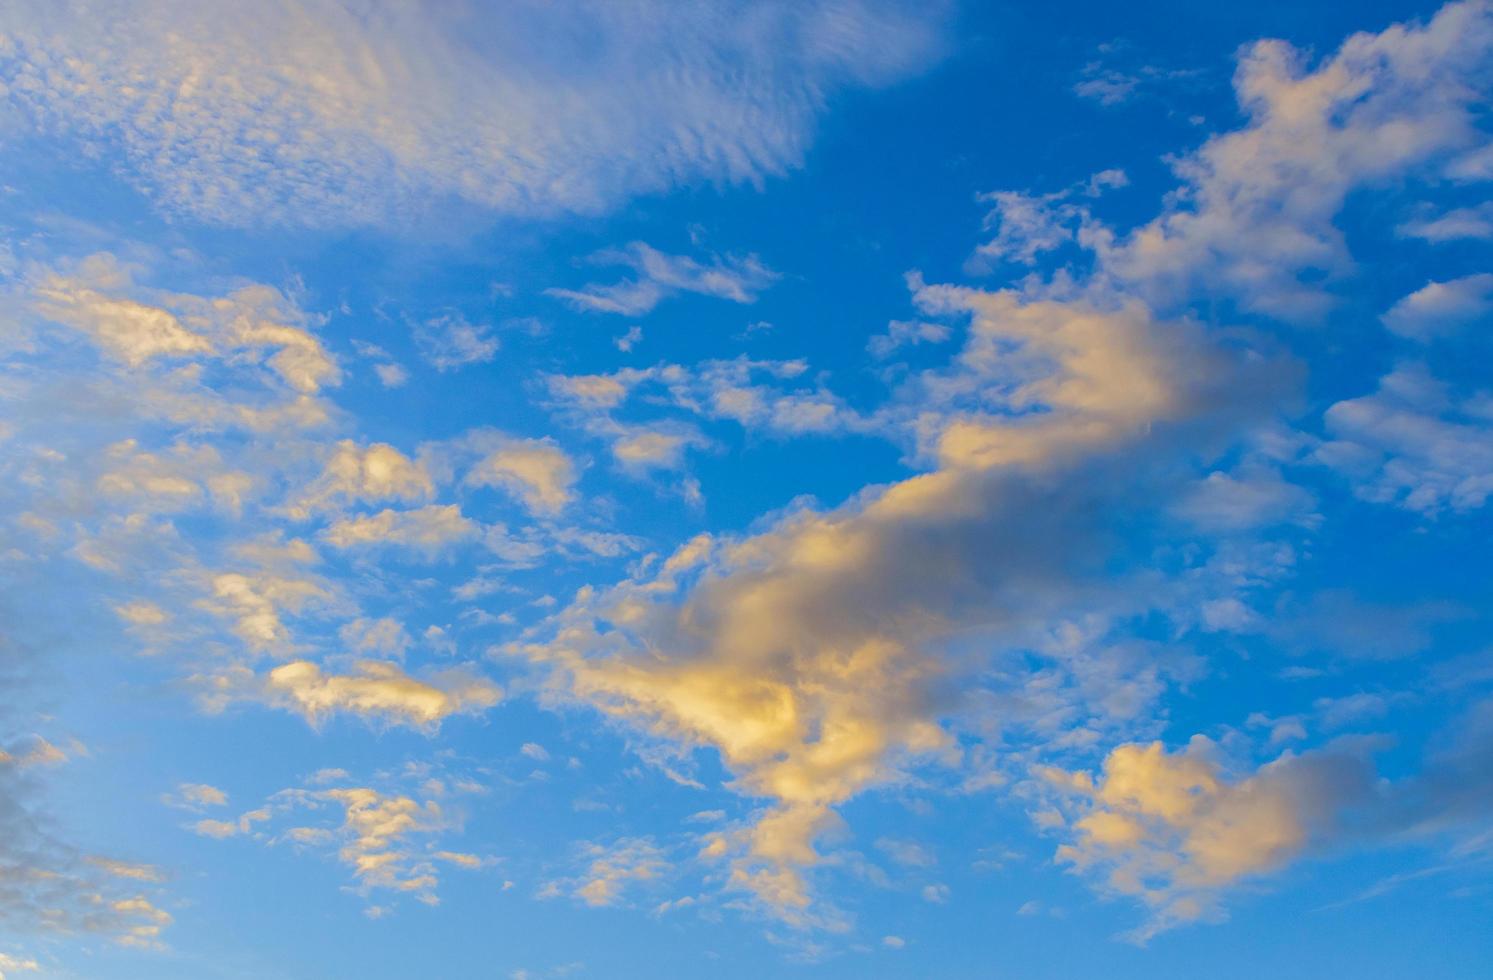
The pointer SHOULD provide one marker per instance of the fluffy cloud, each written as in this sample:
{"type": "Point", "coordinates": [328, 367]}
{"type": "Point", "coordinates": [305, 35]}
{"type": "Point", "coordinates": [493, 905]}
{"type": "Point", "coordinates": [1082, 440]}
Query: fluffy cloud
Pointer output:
{"type": "Point", "coordinates": [808, 655]}
{"type": "Point", "coordinates": [1458, 223]}
{"type": "Point", "coordinates": [99, 298]}
{"type": "Point", "coordinates": [1413, 443]}
{"type": "Point", "coordinates": [1172, 829]}
{"type": "Point", "coordinates": [318, 113]}
{"type": "Point", "coordinates": [380, 689]}
{"type": "Point", "coordinates": [1440, 308]}
{"type": "Point", "coordinates": [1255, 212]}
{"type": "Point", "coordinates": [536, 471]}
{"type": "Point", "coordinates": [373, 473]}
{"type": "Point", "coordinates": [1251, 498]}
{"type": "Point", "coordinates": [429, 529]}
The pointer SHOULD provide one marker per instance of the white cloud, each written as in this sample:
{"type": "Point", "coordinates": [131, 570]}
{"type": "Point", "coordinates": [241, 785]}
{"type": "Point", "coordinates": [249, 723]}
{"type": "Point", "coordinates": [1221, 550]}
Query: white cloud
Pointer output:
{"type": "Point", "coordinates": [451, 342]}
{"type": "Point", "coordinates": [1413, 444]}
{"type": "Point", "coordinates": [99, 298]}
{"type": "Point", "coordinates": [901, 333]}
{"type": "Point", "coordinates": [390, 840]}
{"type": "Point", "coordinates": [536, 471]}
{"type": "Point", "coordinates": [660, 275]}
{"type": "Point", "coordinates": [608, 869]}
{"type": "Point", "coordinates": [1254, 217]}
{"type": "Point", "coordinates": [1252, 497]}
{"type": "Point", "coordinates": [312, 112]}
{"type": "Point", "coordinates": [1440, 308]}
{"type": "Point", "coordinates": [429, 529]}
{"type": "Point", "coordinates": [17, 964]}
{"type": "Point", "coordinates": [1458, 223]}
{"type": "Point", "coordinates": [629, 340]}
{"type": "Point", "coordinates": [354, 473]}
{"type": "Point", "coordinates": [391, 375]}
{"type": "Point", "coordinates": [1173, 830]}
{"type": "Point", "coordinates": [195, 796]}
{"type": "Point", "coordinates": [381, 690]}
{"type": "Point", "coordinates": [805, 653]}
{"type": "Point", "coordinates": [255, 600]}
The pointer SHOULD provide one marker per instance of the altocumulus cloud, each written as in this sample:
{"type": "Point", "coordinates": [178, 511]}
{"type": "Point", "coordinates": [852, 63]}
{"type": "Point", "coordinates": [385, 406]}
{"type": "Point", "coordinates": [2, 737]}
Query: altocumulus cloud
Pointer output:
{"type": "Point", "coordinates": [318, 112]}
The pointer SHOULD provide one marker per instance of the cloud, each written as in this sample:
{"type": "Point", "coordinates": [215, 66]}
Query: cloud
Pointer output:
{"type": "Point", "coordinates": [1172, 830]}
{"type": "Point", "coordinates": [223, 829]}
{"type": "Point", "coordinates": [1440, 308]}
{"type": "Point", "coordinates": [1108, 87]}
{"type": "Point", "coordinates": [315, 113]}
{"type": "Point", "coordinates": [907, 853]}
{"type": "Point", "coordinates": [1176, 830]}
{"type": "Point", "coordinates": [99, 298]}
{"type": "Point", "coordinates": [450, 342]}
{"type": "Point", "coordinates": [358, 474]}
{"type": "Point", "coordinates": [660, 275]}
{"type": "Point", "coordinates": [254, 601]}
{"type": "Point", "coordinates": [1254, 216]}
{"type": "Point", "coordinates": [656, 447]}
{"type": "Point", "coordinates": [808, 654]}
{"type": "Point", "coordinates": [1253, 497]}
{"type": "Point", "coordinates": [390, 840]}
{"type": "Point", "coordinates": [536, 471]}
{"type": "Point", "coordinates": [181, 478]}
{"type": "Point", "coordinates": [384, 636]}
{"type": "Point", "coordinates": [607, 871]}
{"type": "Point", "coordinates": [1458, 223]}
{"type": "Point", "coordinates": [49, 885]}
{"type": "Point", "coordinates": [379, 689]}
{"type": "Point", "coordinates": [937, 894]}
{"type": "Point", "coordinates": [1413, 444]}
{"type": "Point", "coordinates": [428, 529]}
{"type": "Point", "coordinates": [1028, 225]}
{"type": "Point", "coordinates": [905, 333]}
{"type": "Point", "coordinates": [771, 397]}
{"type": "Point", "coordinates": [32, 751]}
{"type": "Point", "coordinates": [391, 375]}
{"type": "Point", "coordinates": [195, 796]}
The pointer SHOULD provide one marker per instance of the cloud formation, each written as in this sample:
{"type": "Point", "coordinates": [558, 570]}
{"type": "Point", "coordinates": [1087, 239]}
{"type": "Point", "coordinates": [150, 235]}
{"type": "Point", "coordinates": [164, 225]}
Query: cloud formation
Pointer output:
{"type": "Point", "coordinates": [318, 113]}
{"type": "Point", "coordinates": [659, 275]}
{"type": "Point", "coordinates": [810, 655]}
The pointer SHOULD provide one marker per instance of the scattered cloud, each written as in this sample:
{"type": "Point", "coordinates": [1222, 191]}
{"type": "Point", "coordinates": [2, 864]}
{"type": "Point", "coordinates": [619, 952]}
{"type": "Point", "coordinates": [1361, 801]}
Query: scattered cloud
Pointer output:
{"type": "Point", "coordinates": [536, 471]}
{"type": "Point", "coordinates": [1440, 308]}
{"type": "Point", "coordinates": [378, 689]}
{"type": "Point", "coordinates": [659, 275]}
{"type": "Point", "coordinates": [451, 342]}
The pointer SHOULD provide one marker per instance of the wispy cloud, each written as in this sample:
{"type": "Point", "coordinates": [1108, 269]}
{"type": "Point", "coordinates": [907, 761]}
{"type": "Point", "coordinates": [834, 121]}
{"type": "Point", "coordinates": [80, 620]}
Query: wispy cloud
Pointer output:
{"type": "Point", "coordinates": [659, 275]}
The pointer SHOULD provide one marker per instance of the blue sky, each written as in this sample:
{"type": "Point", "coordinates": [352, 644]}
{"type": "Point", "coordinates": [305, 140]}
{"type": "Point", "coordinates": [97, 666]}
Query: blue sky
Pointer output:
{"type": "Point", "coordinates": [840, 488]}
